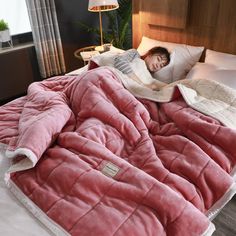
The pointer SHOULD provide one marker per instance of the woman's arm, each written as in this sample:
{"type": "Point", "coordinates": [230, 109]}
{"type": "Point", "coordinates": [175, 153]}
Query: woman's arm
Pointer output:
{"type": "Point", "coordinates": [122, 63]}
{"type": "Point", "coordinates": [123, 60]}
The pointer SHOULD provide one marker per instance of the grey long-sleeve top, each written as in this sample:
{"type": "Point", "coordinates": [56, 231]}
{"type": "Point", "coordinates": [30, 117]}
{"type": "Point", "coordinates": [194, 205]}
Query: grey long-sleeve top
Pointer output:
{"type": "Point", "coordinates": [122, 61]}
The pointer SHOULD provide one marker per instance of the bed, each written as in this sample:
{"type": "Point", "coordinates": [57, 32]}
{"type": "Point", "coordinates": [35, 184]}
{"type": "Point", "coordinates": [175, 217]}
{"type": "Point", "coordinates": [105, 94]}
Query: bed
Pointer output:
{"type": "Point", "coordinates": [96, 153]}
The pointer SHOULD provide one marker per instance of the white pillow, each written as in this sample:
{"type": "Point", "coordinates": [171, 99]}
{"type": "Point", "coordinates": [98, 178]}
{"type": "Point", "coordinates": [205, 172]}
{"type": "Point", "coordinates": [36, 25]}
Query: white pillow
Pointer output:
{"type": "Point", "coordinates": [183, 57]}
{"type": "Point", "coordinates": [228, 61]}
{"type": "Point", "coordinates": [212, 72]}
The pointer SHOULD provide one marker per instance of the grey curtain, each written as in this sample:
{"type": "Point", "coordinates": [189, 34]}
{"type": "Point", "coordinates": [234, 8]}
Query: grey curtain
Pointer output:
{"type": "Point", "coordinates": [46, 35]}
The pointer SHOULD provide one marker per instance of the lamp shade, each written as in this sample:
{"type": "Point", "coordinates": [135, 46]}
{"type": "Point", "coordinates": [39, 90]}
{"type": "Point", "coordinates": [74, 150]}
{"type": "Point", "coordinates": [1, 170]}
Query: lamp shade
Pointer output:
{"type": "Point", "coordinates": [102, 5]}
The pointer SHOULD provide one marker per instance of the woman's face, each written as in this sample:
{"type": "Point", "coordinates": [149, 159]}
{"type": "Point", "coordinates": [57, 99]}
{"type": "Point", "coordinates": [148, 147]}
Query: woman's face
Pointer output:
{"type": "Point", "coordinates": [155, 62]}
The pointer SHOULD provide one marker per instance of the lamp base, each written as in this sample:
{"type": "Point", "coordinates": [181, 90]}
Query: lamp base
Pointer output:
{"type": "Point", "coordinates": [99, 48]}
{"type": "Point", "coordinates": [103, 48]}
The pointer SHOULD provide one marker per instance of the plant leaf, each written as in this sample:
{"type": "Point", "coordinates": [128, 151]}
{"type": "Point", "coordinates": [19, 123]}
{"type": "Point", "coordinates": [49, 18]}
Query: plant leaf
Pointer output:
{"type": "Point", "coordinates": [118, 31]}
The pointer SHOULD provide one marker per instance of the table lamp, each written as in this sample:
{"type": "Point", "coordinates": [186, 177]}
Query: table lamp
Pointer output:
{"type": "Point", "coordinates": [99, 6]}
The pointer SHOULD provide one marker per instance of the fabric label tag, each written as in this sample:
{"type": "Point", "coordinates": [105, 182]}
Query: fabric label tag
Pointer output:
{"type": "Point", "coordinates": [110, 169]}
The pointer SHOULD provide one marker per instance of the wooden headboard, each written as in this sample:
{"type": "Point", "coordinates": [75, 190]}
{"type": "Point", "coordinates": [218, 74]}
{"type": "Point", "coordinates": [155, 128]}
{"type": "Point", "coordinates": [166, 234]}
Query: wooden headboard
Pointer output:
{"type": "Point", "coordinates": [208, 23]}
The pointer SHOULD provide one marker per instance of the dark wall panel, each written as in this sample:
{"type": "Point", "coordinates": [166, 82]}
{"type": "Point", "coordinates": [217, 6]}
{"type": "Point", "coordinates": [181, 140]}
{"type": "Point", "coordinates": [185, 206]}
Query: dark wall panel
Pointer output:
{"type": "Point", "coordinates": [69, 14]}
{"type": "Point", "coordinates": [18, 68]}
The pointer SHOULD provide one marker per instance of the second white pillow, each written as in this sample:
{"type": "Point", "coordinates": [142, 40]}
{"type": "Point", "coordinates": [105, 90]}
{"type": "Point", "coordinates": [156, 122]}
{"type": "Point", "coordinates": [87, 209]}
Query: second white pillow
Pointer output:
{"type": "Point", "coordinates": [212, 72]}
{"type": "Point", "coordinates": [225, 60]}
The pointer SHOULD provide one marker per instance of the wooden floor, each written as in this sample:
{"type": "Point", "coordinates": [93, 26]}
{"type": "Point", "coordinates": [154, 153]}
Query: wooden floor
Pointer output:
{"type": "Point", "coordinates": [225, 222]}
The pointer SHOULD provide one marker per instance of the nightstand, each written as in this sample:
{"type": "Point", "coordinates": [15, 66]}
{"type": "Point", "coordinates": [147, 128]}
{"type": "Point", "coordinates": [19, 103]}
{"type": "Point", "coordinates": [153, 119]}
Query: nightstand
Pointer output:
{"type": "Point", "coordinates": [86, 53]}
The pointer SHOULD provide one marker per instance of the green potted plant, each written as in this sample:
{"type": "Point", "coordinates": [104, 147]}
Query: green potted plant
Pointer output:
{"type": "Point", "coordinates": [4, 32]}
{"type": "Point", "coordinates": [118, 32]}
{"type": "Point", "coordinates": [119, 25]}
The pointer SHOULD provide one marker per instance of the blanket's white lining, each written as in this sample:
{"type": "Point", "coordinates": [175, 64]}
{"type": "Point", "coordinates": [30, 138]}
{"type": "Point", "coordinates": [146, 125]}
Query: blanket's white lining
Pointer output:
{"type": "Point", "coordinates": [233, 173]}
{"type": "Point", "coordinates": [196, 103]}
{"type": "Point", "coordinates": [36, 211]}
{"type": "Point", "coordinates": [26, 163]}
{"type": "Point", "coordinates": [215, 209]}
{"type": "Point", "coordinates": [211, 228]}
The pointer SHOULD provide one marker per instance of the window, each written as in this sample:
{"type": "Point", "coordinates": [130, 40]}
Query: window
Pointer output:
{"type": "Point", "coordinates": [15, 13]}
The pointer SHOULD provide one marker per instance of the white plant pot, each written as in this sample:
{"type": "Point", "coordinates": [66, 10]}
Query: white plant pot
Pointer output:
{"type": "Point", "coordinates": [5, 36]}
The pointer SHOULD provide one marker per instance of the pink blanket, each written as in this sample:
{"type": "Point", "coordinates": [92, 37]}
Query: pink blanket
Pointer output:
{"type": "Point", "coordinates": [91, 159]}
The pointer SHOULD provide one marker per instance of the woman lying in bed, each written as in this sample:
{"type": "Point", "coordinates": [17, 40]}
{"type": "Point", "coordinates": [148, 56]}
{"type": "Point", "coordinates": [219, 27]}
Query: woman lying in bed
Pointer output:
{"type": "Point", "coordinates": [155, 59]}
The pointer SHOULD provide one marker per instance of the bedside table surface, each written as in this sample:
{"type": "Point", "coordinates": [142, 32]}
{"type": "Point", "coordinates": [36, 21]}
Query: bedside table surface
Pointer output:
{"type": "Point", "coordinates": [78, 55]}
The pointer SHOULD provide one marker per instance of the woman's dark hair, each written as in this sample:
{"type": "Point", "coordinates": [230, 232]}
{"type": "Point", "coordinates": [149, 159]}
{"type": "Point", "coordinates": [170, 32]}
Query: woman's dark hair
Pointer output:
{"type": "Point", "coordinates": [158, 50]}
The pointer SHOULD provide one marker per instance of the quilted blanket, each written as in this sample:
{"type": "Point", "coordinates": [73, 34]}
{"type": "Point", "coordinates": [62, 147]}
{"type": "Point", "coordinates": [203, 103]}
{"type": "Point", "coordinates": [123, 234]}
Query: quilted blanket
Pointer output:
{"type": "Point", "coordinates": [89, 158]}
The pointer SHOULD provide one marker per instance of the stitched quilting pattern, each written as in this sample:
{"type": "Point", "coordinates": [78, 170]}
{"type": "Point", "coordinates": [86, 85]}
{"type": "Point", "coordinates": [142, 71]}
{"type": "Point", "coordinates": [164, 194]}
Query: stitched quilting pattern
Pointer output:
{"type": "Point", "coordinates": [168, 171]}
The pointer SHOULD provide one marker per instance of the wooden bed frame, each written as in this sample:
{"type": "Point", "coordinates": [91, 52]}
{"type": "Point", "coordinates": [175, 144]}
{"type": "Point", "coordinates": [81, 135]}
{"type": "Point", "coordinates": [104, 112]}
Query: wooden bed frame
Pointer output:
{"type": "Point", "coordinates": [208, 23]}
